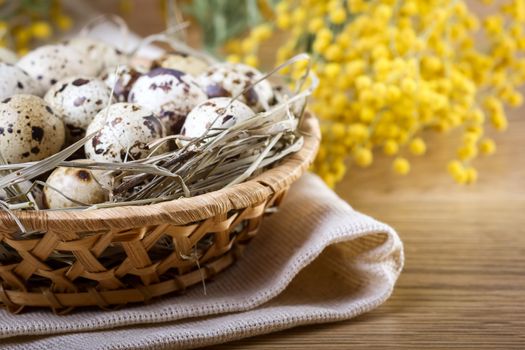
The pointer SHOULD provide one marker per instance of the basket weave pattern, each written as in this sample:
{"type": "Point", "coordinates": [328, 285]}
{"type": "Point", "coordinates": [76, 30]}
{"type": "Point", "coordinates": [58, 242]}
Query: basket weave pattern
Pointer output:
{"type": "Point", "coordinates": [160, 248]}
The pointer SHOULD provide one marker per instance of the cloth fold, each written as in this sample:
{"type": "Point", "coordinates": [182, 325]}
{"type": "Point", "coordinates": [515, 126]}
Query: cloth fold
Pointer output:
{"type": "Point", "coordinates": [316, 260]}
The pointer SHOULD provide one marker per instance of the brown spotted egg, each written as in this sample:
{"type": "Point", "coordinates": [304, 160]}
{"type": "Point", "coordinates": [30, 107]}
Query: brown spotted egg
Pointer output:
{"type": "Point", "coordinates": [72, 187]}
{"type": "Point", "coordinates": [7, 56]}
{"type": "Point", "coordinates": [230, 80]}
{"type": "Point", "coordinates": [185, 63]}
{"type": "Point", "coordinates": [102, 54]}
{"type": "Point", "coordinates": [15, 81]}
{"type": "Point", "coordinates": [120, 81]}
{"type": "Point", "coordinates": [219, 112]}
{"type": "Point", "coordinates": [29, 130]}
{"type": "Point", "coordinates": [77, 100]}
{"type": "Point", "coordinates": [51, 63]}
{"type": "Point", "coordinates": [123, 133]}
{"type": "Point", "coordinates": [170, 94]}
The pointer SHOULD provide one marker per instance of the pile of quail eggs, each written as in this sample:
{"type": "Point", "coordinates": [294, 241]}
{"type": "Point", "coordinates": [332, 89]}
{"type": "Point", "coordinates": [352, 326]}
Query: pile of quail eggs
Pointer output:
{"type": "Point", "coordinates": [57, 94]}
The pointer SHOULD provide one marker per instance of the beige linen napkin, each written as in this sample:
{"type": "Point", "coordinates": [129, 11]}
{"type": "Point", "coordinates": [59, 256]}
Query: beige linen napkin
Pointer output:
{"type": "Point", "coordinates": [316, 260]}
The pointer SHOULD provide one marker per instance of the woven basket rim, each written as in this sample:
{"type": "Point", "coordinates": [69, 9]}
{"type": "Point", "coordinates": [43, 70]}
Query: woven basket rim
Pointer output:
{"type": "Point", "coordinates": [185, 210]}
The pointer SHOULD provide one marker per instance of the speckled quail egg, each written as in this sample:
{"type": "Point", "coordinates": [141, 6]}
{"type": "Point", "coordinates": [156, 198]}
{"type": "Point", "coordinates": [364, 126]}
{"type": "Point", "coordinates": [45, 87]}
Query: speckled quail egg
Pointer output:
{"type": "Point", "coordinates": [74, 183]}
{"type": "Point", "coordinates": [169, 93]}
{"type": "Point", "coordinates": [120, 81]}
{"type": "Point", "coordinates": [77, 100]}
{"type": "Point", "coordinates": [15, 81]}
{"type": "Point", "coordinates": [51, 63]}
{"type": "Point", "coordinates": [222, 110]}
{"type": "Point", "coordinates": [29, 130]}
{"type": "Point", "coordinates": [102, 54]}
{"type": "Point", "coordinates": [229, 80]}
{"type": "Point", "coordinates": [7, 56]}
{"type": "Point", "coordinates": [185, 63]}
{"type": "Point", "coordinates": [124, 133]}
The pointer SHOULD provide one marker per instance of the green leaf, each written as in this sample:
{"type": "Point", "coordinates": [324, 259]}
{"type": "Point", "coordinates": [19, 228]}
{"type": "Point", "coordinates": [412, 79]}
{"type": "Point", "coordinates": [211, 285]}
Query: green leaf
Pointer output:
{"type": "Point", "coordinates": [222, 20]}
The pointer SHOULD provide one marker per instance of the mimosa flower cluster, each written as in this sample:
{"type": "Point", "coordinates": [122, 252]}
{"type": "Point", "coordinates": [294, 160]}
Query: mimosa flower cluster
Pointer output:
{"type": "Point", "coordinates": [26, 23]}
{"type": "Point", "coordinates": [390, 69]}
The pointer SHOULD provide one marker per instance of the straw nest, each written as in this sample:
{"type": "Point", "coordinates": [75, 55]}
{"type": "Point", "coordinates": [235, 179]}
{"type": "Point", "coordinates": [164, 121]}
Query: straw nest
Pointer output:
{"type": "Point", "coordinates": [171, 220]}
{"type": "Point", "coordinates": [174, 220]}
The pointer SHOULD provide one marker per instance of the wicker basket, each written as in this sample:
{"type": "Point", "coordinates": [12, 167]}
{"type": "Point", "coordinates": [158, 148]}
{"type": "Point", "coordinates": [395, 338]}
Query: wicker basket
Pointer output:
{"type": "Point", "coordinates": [206, 234]}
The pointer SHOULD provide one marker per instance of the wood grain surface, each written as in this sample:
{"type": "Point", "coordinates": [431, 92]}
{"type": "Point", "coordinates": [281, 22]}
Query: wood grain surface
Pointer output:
{"type": "Point", "coordinates": [463, 286]}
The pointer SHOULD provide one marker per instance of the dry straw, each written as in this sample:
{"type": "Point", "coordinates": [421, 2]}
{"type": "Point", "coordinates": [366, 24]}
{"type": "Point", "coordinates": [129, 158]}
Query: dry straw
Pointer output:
{"type": "Point", "coordinates": [172, 221]}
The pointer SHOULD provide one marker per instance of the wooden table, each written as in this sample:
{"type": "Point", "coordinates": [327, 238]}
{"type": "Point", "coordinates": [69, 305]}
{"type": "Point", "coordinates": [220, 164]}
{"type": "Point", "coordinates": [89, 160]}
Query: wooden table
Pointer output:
{"type": "Point", "coordinates": [463, 285]}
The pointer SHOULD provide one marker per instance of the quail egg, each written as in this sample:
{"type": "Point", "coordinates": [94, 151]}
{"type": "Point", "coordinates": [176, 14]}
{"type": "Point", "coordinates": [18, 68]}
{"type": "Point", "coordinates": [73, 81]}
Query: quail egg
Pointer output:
{"type": "Point", "coordinates": [230, 80]}
{"type": "Point", "coordinates": [120, 81]}
{"type": "Point", "coordinates": [51, 63]}
{"type": "Point", "coordinates": [29, 130]}
{"type": "Point", "coordinates": [102, 54]}
{"type": "Point", "coordinates": [77, 184]}
{"type": "Point", "coordinates": [223, 110]}
{"type": "Point", "coordinates": [77, 100]}
{"type": "Point", "coordinates": [7, 56]}
{"type": "Point", "coordinates": [185, 63]}
{"type": "Point", "coordinates": [15, 81]}
{"type": "Point", "coordinates": [169, 93]}
{"type": "Point", "coordinates": [123, 133]}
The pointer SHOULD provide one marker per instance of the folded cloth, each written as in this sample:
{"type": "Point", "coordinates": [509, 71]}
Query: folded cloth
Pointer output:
{"type": "Point", "coordinates": [316, 260]}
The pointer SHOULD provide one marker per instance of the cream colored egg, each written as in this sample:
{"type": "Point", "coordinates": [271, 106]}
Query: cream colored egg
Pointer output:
{"type": "Point", "coordinates": [77, 100]}
{"type": "Point", "coordinates": [77, 184]}
{"type": "Point", "coordinates": [50, 63]}
{"type": "Point", "coordinates": [13, 81]}
{"type": "Point", "coordinates": [230, 80]}
{"type": "Point", "coordinates": [123, 133]}
{"type": "Point", "coordinates": [29, 129]}
{"type": "Point", "coordinates": [219, 112]}
{"type": "Point", "coordinates": [184, 63]}
{"type": "Point", "coordinates": [121, 80]}
{"type": "Point", "coordinates": [102, 54]}
{"type": "Point", "coordinates": [170, 94]}
{"type": "Point", "coordinates": [7, 56]}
